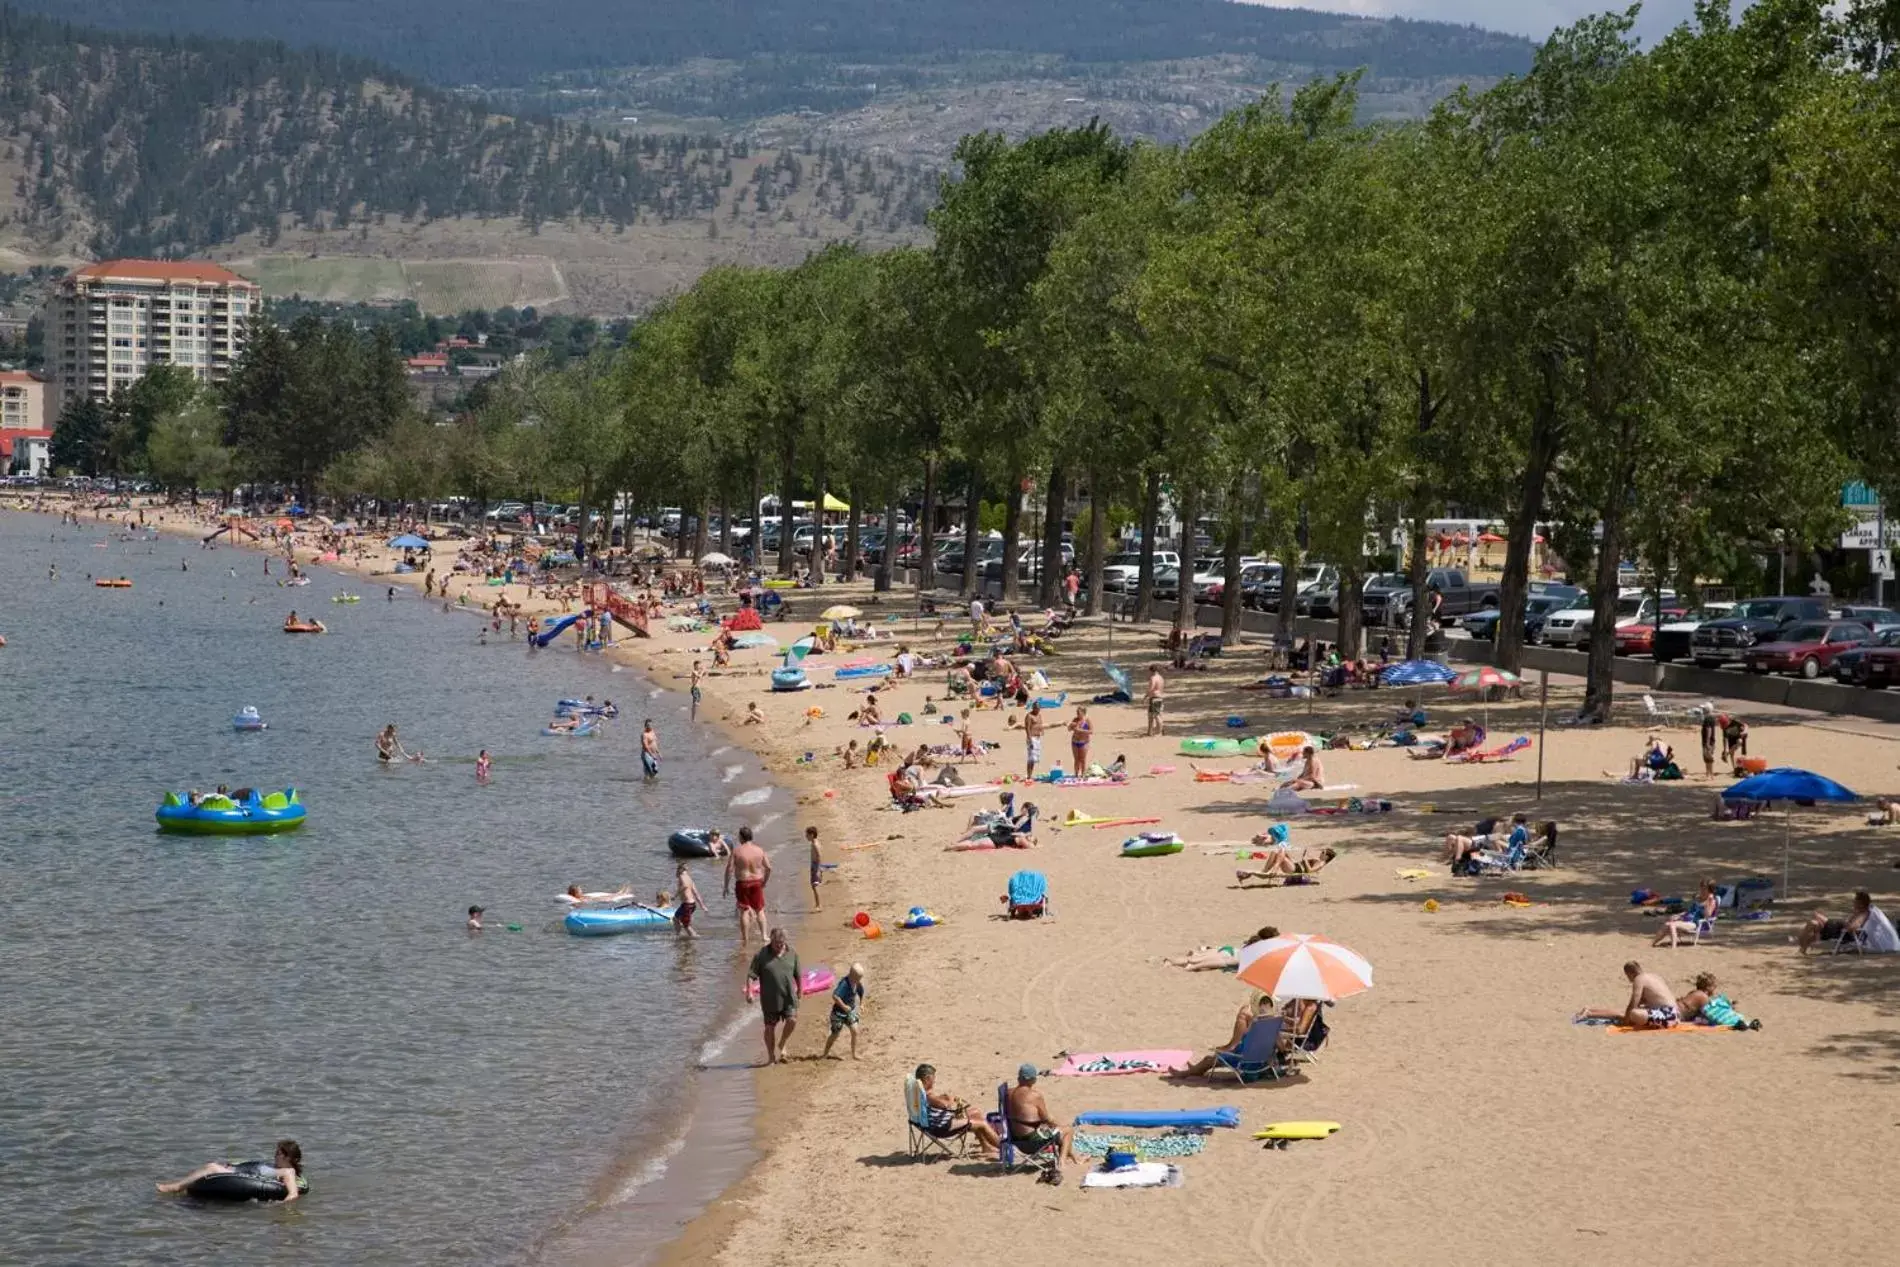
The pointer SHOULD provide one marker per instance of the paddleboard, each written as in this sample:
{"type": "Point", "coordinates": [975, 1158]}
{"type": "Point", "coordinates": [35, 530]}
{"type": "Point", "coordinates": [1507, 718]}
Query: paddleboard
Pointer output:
{"type": "Point", "coordinates": [1077, 818]}
{"type": "Point", "coordinates": [1280, 1134]}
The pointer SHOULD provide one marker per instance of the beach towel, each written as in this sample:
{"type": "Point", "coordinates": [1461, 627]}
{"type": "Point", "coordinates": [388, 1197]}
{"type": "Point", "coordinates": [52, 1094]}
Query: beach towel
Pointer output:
{"type": "Point", "coordinates": [1147, 1147]}
{"type": "Point", "coordinates": [1027, 888]}
{"type": "Point", "coordinates": [1108, 1063]}
{"type": "Point", "coordinates": [1225, 1115]}
{"type": "Point", "coordinates": [1146, 1174]}
{"type": "Point", "coordinates": [1414, 873]}
{"type": "Point", "coordinates": [1503, 753]}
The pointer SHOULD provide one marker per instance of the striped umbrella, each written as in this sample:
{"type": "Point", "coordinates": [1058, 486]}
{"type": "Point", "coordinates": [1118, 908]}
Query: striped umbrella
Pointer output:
{"type": "Point", "coordinates": [1484, 679]}
{"type": "Point", "coordinates": [1303, 966]}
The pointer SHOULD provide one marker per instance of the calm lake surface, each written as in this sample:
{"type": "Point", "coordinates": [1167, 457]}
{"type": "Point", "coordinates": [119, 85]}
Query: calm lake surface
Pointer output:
{"type": "Point", "coordinates": [168, 1000]}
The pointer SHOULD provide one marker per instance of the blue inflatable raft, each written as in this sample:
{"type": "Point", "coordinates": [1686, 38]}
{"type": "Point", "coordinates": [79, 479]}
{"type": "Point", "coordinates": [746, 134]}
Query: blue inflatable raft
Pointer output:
{"type": "Point", "coordinates": [862, 670]}
{"type": "Point", "coordinates": [789, 680]}
{"type": "Point", "coordinates": [216, 815]}
{"type": "Point", "coordinates": [607, 922]}
{"type": "Point", "coordinates": [586, 730]}
{"type": "Point", "coordinates": [248, 720]}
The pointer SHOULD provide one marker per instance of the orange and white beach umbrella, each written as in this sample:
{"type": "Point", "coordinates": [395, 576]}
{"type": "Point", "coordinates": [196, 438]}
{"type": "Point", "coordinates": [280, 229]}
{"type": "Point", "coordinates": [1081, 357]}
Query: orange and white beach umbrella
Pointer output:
{"type": "Point", "coordinates": [1303, 966]}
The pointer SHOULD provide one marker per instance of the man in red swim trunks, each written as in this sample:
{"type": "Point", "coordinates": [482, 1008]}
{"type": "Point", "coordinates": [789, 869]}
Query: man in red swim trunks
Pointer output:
{"type": "Point", "coordinates": [747, 870]}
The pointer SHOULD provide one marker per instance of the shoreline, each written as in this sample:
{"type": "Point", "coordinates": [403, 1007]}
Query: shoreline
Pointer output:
{"type": "Point", "coordinates": [734, 1140]}
{"type": "Point", "coordinates": [1472, 992]}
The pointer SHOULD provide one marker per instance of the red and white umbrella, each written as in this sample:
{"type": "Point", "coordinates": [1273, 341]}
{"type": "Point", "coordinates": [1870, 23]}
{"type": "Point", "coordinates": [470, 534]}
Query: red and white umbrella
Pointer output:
{"type": "Point", "coordinates": [1303, 966]}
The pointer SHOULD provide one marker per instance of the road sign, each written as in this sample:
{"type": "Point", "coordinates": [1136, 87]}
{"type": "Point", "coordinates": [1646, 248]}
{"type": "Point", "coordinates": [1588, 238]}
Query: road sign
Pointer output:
{"type": "Point", "coordinates": [1865, 534]}
{"type": "Point", "coordinates": [1881, 563]}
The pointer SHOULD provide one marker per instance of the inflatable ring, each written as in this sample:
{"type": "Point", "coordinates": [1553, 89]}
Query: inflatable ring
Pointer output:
{"type": "Point", "coordinates": [242, 1185]}
{"type": "Point", "coordinates": [221, 816]}
{"type": "Point", "coordinates": [690, 842]}
{"type": "Point", "coordinates": [1152, 844]}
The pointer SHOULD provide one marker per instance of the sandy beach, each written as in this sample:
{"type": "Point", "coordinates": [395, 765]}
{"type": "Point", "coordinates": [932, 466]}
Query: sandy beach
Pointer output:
{"type": "Point", "coordinates": [1477, 1122]}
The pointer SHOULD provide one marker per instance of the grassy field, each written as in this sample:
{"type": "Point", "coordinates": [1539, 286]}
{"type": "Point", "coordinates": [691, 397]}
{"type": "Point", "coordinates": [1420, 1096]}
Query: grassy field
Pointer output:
{"type": "Point", "coordinates": [437, 285]}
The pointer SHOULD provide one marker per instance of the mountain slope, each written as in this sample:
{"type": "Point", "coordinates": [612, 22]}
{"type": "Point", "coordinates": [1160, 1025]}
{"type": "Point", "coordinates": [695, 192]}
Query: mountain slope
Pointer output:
{"type": "Point", "coordinates": [118, 144]}
{"type": "Point", "coordinates": [509, 42]}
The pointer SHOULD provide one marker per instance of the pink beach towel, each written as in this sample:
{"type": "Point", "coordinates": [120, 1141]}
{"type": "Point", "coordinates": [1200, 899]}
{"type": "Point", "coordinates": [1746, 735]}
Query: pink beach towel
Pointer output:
{"type": "Point", "coordinates": [1100, 1064]}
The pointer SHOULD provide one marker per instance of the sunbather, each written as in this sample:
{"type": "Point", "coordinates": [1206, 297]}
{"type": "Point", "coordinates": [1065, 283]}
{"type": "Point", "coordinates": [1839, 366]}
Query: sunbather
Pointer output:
{"type": "Point", "coordinates": [1868, 921]}
{"type": "Point", "coordinates": [1652, 1004]}
{"type": "Point", "coordinates": [1312, 775]}
{"type": "Point", "coordinates": [1281, 864]}
{"type": "Point", "coordinates": [1464, 737]}
{"type": "Point", "coordinates": [1689, 1006]}
{"type": "Point", "coordinates": [1256, 1008]}
{"type": "Point", "coordinates": [1703, 908]}
{"type": "Point", "coordinates": [1217, 958]}
{"type": "Point", "coordinates": [944, 1113]}
{"type": "Point", "coordinates": [1031, 1127]}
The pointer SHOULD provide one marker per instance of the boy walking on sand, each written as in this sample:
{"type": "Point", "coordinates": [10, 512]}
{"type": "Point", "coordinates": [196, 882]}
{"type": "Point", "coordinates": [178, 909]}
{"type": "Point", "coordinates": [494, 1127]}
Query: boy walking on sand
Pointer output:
{"type": "Point", "coordinates": [817, 867]}
{"type": "Point", "coordinates": [1033, 726]}
{"type": "Point", "coordinates": [699, 676]}
{"type": "Point", "coordinates": [846, 998]}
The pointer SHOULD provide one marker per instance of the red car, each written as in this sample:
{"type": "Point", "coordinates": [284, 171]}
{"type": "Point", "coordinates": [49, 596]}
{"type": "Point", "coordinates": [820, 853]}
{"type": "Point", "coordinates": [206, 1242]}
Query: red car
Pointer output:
{"type": "Point", "coordinates": [1635, 639]}
{"type": "Point", "coordinates": [1807, 648]}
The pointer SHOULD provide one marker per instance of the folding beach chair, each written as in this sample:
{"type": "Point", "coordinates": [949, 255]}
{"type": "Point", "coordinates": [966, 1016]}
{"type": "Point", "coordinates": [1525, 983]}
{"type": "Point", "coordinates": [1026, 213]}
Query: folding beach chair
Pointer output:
{"type": "Point", "coordinates": [1028, 896]}
{"type": "Point", "coordinates": [1258, 1055]}
{"type": "Point", "coordinates": [1703, 928]}
{"type": "Point", "coordinates": [1011, 1155]}
{"type": "Point", "coordinates": [1311, 1039]}
{"type": "Point", "coordinates": [1661, 715]}
{"type": "Point", "coordinates": [926, 1139]}
{"type": "Point", "coordinates": [1541, 852]}
{"type": "Point", "coordinates": [1852, 941]}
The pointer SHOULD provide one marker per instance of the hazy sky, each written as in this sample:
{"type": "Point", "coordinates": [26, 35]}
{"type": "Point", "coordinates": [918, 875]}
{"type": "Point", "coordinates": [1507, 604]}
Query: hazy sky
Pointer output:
{"type": "Point", "coordinates": [1535, 18]}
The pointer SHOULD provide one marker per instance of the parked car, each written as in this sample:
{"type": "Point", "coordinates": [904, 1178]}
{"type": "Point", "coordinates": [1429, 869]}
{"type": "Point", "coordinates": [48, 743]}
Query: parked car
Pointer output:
{"type": "Point", "coordinates": [1807, 649]}
{"type": "Point", "coordinates": [1571, 627]}
{"type": "Point", "coordinates": [1635, 639]}
{"type": "Point", "coordinates": [1724, 641]}
{"type": "Point", "coordinates": [1483, 624]}
{"type": "Point", "coordinates": [1848, 668]}
{"type": "Point", "coordinates": [1877, 619]}
{"type": "Point", "coordinates": [1671, 642]}
{"type": "Point", "coordinates": [1459, 596]}
{"type": "Point", "coordinates": [1122, 571]}
{"type": "Point", "coordinates": [1874, 664]}
{"type": "Point", "coordinates": [1167, 581]}
{"type": "Point", "coordinates": [1255, 579]}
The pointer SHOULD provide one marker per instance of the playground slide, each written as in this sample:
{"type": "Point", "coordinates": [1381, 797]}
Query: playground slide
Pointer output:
{"type": "Point", "coordinates": [603, 598]}
{"type": "Point", "coordinates": [554, 631]}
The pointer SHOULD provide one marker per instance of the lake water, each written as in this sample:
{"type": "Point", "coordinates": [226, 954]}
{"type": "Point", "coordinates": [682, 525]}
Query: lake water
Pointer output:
{"type": "Point", "coordinates": [168, 1000]}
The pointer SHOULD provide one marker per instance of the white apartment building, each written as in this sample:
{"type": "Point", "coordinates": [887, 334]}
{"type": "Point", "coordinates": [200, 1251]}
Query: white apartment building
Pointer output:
{"type": "Point", "coordinates": [23, 402]}
{"type": "Point", "coordinates": [107, 323]}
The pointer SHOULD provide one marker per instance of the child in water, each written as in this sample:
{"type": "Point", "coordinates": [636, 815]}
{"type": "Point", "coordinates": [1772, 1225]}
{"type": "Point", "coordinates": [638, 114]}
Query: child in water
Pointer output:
{"type": "Point", "coordinates": [482, 764]}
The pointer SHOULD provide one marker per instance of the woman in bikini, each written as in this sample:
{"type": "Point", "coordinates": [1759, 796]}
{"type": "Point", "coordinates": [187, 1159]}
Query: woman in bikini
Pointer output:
{"type": "Point", "coordinates": [1280, 864]}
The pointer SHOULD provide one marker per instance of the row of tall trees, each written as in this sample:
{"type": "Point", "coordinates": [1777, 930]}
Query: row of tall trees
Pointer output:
{"type": "Point", "coordinates": [1643, 297]}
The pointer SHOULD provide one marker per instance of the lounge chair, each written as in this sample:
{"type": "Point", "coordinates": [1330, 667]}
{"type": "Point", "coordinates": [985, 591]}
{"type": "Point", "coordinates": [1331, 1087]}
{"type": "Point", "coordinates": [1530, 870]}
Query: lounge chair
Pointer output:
{"type": "Point", "coordinates": [1258, 1055]}
{"type": "Point", "coordinates": [1541, 852]}
{"type": "Point", "coordinates": [1028, 896]}
{"type": "Point", "coordinates": [926, 1139]}
{"type": "Point", "coordinates": [1662, 715]}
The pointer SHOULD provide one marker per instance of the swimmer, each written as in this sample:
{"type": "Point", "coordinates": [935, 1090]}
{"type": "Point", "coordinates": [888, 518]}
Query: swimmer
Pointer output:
{"type": "Point", "coordinates": [286, 1167]}
{"type": "Point", "coordinates": [650, 750]}
{"type": "Point", "coordinates": [475, 919]}
{"type": "Point", "coordinates": [388, 747]}
{"type": "Point", "coordinates": [575, 897]}
{"type": "Point", "coordinates": [482, 763]}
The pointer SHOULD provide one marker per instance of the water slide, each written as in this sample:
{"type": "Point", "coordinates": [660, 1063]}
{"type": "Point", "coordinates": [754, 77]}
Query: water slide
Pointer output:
{"type": "Point", "coordinates": [554, 631]}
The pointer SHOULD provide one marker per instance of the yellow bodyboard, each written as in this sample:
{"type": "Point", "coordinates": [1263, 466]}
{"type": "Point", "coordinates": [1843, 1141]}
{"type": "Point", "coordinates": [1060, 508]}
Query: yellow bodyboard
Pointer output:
{"type": "Point", "coordinates": [1297, 1130]}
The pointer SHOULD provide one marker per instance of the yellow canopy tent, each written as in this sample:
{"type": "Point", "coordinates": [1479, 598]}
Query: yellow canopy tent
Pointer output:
{"type": "Point", "coordinates": [832, 503]}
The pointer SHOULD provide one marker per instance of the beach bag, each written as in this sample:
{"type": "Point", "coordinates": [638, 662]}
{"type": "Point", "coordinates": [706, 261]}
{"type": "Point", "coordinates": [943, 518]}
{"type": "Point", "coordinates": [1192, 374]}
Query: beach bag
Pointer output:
{"type": "Point", "coordinates": [1120, 1159]}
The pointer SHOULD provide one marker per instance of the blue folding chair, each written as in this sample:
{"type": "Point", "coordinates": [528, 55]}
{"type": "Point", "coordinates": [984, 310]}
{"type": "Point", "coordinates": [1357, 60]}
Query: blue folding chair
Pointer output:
{"type": "Point", "coordinates": [1028, 896]}
{"type": "Point", "coordinates": [1008, 1153]}
{"type": "Point", "coordinates": [1258, 1054]}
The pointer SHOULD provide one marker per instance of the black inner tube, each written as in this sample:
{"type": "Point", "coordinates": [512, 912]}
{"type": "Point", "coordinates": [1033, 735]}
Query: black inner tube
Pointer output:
{"type": "Point", "coordinates": [240, 1186]}
{"type": "Point", "coordinates": [689, 842]}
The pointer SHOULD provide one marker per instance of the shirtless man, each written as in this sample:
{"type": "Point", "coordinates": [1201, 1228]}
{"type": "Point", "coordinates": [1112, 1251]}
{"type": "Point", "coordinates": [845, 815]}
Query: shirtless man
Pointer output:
{"type": "Point", "coordinates": [699, 675]}
{"type": "Point", "coordinates": [1652, 1003]}
{"type": "Point", "coordinates": [747, 870]}
{"type": "Point", "coordinates": [1156, 690]}
{"type": "Point", "coordinates": [650, 751]}
{"type": "Point", "coordinates": [1312, 775]}
{"type": "Point", "coordinates": [1033, 726]}
{"type": "Point", "coordinates": [1030, 1126]}
{"type": "Point", "coordinates": [686, 899]}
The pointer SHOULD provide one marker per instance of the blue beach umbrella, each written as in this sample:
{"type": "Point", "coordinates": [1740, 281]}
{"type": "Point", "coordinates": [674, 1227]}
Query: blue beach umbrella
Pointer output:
{"type": "Point", "coordinates": [1119, 676]}
{"type": "Point", "coordinates": [1418, 673]}
{"type": "Point", "coordinates": [408, 541]}
{"type": "Point", "coordinates": [1788, 784]}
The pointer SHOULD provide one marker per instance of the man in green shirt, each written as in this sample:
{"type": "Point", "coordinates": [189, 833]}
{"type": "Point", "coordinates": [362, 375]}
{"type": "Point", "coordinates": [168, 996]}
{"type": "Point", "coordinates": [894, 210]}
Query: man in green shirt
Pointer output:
{"type": "Point", "coordinates": [775, 968]}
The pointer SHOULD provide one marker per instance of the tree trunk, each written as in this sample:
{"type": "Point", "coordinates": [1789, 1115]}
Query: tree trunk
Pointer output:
{"type": "Point", "coordinates": [1514, 592]}
{"type": "Point", "coordinates": [1184, 578]}
{"type": "Point", "coordinates": [755, 489]}
{"type": "Point", "coordinates": [1145, 578]}
{"type": "Point", "coordinates": [725, 526]}
{"type": "Point", "coordinates": [787, 474]}
{"type": "Point", "coordinates": [1600, 687]}
{"type": "Point", "coordinates": [580, 523]}
{"type": "Point", "coordinates": [1049, 583]}
{"type": "Point", "coordinates": [1352, 588]}
{"type": "Point", "coordinates": [702, 507]}
{"type": "Point", "coordinates": [1098, 542]}
{"type": "Point", "coordinates": [853, 519]}
{"type": "Point", "coordinates": [972, 507]}
{"type": "Point", "coordinates": [1416, 571]}
{"type": "Point", "coordinates": [927, 529]}
{"type": "Point", "coordinates": [887, 557]}
{"type": "Point", "coordinates": [1230, 573]}
{"type": "Point", "coordinates": [815, 560]}
{"type": "Point", "coordinates": [1012, 537]}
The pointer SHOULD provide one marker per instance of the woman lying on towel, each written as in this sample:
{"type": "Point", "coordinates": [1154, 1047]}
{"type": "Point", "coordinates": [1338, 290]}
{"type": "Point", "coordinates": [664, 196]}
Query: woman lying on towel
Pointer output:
{"type": "Point", "coordinates": [1218, 958]}
{"type": "Point", "coordinates": [1282, 865]}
